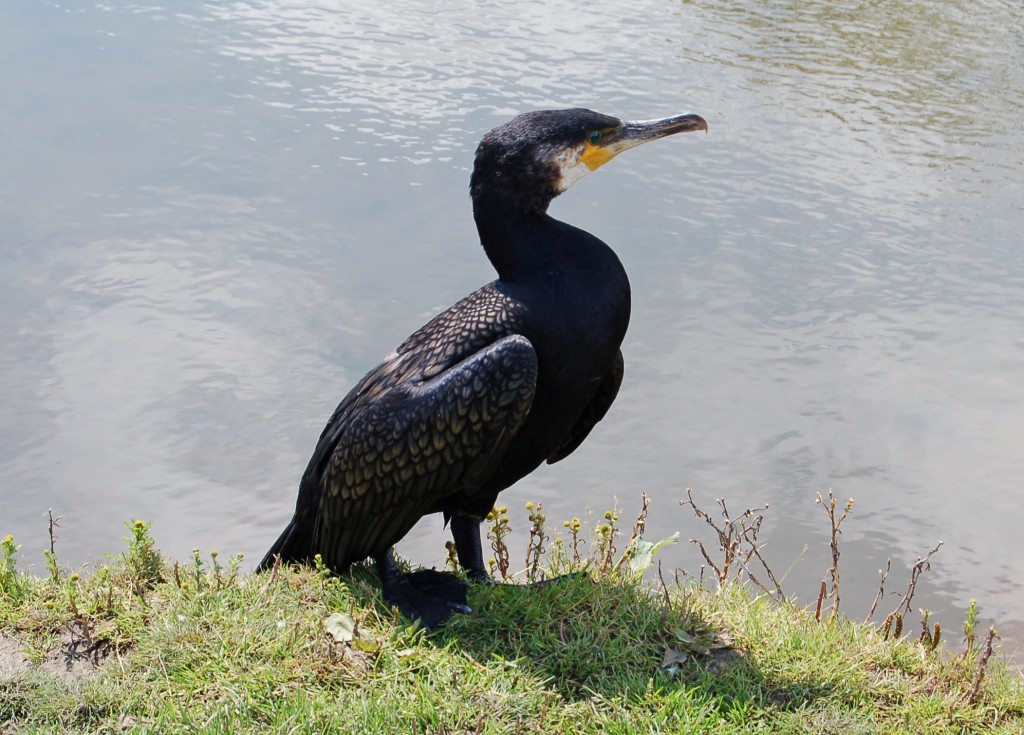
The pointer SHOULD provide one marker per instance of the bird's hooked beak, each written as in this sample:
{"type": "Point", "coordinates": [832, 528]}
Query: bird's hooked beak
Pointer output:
{"type": "Point", "coordinates": [633, 133]}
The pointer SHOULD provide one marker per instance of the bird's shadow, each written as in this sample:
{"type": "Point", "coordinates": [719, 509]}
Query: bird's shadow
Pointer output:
{"type": "Point", "coordinates": [581, 638]}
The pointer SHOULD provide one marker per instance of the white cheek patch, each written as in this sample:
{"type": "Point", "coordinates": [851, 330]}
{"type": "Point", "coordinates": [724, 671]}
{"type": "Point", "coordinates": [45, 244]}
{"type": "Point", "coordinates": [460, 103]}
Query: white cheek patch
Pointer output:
{"type": "Point", "coordinates": [571, 167]}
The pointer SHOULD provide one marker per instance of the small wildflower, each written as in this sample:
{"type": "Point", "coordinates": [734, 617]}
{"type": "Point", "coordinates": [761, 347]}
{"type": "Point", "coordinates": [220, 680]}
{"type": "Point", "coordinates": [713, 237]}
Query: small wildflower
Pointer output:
{"type": "Point", "coordinates": [451, 555]}
{"type": "Point", "coordinates": [499, 530]}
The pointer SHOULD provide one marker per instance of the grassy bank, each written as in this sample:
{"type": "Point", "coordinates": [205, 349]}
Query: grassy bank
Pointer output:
{"type": "Point", "coordinates": [147, 645]}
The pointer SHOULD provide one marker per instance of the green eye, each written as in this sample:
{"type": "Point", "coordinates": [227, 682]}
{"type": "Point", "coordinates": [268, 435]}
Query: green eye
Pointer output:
{"type": "Point", "coordinates": [595, 137]}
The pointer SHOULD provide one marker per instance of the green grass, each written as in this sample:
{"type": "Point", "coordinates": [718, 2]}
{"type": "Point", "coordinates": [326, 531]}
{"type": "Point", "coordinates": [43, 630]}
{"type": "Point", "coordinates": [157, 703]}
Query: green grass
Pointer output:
{"type": "Point", "coordinates": [200, 647]}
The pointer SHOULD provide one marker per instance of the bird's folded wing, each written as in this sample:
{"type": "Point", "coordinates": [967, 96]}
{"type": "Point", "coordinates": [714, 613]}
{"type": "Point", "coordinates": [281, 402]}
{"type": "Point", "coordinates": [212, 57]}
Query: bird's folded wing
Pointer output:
{"type": "Point", "coordinates": [417, 443]}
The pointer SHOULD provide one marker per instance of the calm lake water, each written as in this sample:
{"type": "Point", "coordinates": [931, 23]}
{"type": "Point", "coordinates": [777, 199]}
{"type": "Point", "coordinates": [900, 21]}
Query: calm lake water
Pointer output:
{"type": "Point", "coordinates": [216, 217]}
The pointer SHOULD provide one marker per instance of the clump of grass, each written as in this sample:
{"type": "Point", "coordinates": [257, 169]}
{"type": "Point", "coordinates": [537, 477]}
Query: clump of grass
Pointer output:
{"type": "Point", "coordinates": [142, 561]}
{"type": "Point", "coordinates": [12, 585]}
{"type": "Point", "coordinates": [970, 623]}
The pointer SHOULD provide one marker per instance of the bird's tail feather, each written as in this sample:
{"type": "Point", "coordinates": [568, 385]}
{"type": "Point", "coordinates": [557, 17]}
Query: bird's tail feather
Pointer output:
{"type": "Point", "coordinates": [291, 545]}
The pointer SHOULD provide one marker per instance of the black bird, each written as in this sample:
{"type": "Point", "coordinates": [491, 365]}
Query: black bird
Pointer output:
{"type": "Point", "coordinates": [515, 374]}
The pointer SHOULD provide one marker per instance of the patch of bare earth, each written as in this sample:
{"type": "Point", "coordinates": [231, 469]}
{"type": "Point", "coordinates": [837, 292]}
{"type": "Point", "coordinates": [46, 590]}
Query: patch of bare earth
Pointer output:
{"type": "Point", "coordinates": [72, 660]}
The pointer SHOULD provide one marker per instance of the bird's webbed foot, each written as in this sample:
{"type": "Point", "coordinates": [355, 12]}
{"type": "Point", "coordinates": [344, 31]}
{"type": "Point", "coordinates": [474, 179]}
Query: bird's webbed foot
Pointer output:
{"type": "Point", "coordinates": [426, 595]}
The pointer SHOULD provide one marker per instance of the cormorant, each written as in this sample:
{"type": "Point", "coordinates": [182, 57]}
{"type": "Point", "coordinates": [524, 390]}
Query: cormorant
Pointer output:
{"type": "Point", "coordinates": [515, 374]}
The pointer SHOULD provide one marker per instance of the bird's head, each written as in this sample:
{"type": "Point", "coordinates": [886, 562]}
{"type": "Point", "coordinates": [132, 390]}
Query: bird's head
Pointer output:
{"type": "Point", "coordinates": [536, 156]}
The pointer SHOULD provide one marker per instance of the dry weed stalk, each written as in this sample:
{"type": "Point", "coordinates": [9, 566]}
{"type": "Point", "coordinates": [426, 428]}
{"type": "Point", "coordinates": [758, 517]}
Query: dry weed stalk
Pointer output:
{"type": "Point", "coordinates": [836, 524]}
{"type": "Point", "coordinates": [921, 565]}
{"type": "Point", "coordinates": [884, 574]}
{"type": "Point", "coordinates": [54, 524]}
{"type": "Point", "coordinates": [638, 530]}
{"type": "Point", "coordinates": [737, 539]}
{"type": "Point", "coordinates": [822, 593]}
{"type": "Point", "coordinates": [641, 520]}
{"type": "Point", "coordinates": [982, 665]}
{"type": "Point", "coordinates": [930, 635]}
{"type": "Point", "coordinates": [893, 623]}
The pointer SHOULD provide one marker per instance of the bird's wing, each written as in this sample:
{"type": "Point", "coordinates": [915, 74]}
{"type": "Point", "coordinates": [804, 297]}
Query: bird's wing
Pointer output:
{"type": "Point", "coordinates": [458, 332]}
{"type": "Point", "coordinates": [435, 361]}
{"type": "Point", "coordinates": [415, 444]}
{"type": "Point", "coordinates": [594, 411]}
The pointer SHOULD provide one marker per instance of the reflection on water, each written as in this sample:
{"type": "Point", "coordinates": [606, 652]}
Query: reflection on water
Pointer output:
{"type": "Point", "coordinates": [217, 217]}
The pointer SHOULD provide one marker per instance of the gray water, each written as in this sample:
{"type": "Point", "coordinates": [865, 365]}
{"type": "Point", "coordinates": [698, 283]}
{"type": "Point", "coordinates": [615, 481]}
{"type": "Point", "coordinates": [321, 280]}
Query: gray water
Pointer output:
{"type": "Point", "coordinates": [217, 217]}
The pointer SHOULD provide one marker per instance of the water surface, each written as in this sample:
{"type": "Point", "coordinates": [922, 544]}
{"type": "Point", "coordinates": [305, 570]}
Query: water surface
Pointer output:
{"type": "Point", "coordinates": [218, 217]}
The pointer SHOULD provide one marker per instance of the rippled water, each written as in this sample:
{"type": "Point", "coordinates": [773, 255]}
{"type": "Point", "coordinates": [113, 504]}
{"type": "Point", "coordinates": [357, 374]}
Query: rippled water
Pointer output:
{"type": "Point", "coordinates": [218, 216]}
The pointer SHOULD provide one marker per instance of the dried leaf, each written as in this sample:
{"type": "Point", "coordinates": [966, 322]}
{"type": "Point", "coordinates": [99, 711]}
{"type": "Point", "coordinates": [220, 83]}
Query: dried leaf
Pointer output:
{"type": "Point", "coordinates": [340, 626]}
{"type": "Point", "coordinates": [691, 644]}
{"type": "Point", "coordinates": [683, 637]}
{"type": "Point", "coordinates": [674, 657]}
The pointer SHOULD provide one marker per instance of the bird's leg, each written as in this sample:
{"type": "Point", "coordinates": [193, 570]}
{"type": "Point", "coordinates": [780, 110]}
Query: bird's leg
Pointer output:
{"type": "Point", "coordinates": [426, 595]}
{"type": "Point", "coordinates": [466, 533]}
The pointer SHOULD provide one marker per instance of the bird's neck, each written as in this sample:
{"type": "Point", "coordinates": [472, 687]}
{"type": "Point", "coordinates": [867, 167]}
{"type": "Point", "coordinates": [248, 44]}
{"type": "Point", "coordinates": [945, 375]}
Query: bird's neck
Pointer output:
{"type": "Point", "coordinates": [529, 244]}
{"type": "Point", "coordinates": [571, 282]}
{"type": "Point", "coordinates": [511, 238]}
